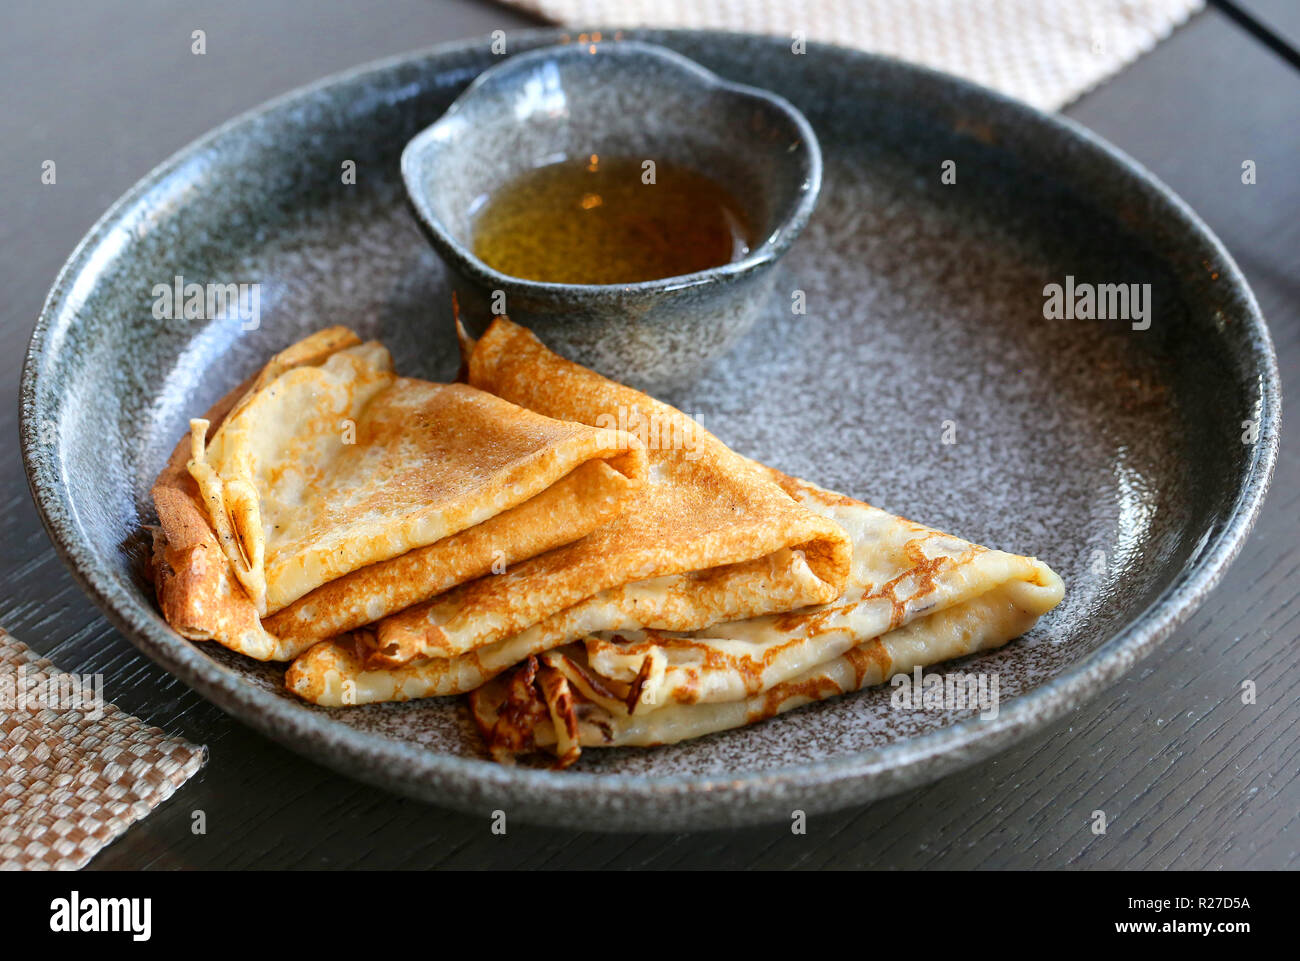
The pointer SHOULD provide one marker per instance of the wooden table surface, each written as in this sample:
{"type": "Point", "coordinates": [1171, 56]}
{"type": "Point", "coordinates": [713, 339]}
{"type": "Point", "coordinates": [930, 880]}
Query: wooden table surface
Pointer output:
{"type": "Point", "coordinates": [1188, 776]}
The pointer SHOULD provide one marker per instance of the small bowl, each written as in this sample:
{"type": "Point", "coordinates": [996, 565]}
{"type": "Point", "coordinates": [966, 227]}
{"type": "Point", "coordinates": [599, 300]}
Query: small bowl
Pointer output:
{"type": "Point", "coordinates": [619, 98]}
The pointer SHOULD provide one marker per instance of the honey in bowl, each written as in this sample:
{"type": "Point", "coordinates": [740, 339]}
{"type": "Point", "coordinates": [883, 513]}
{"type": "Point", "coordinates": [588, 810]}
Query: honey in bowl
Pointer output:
{"type": "Point", "coordinates": [609, 221]}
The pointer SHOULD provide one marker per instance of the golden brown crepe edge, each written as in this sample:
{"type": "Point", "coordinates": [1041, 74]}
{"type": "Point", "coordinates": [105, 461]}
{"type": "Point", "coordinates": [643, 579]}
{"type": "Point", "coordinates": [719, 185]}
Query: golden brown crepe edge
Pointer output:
{"type": "Point", "coordinates": [417, 634]}
{"type": "Point", "coordinates": [198, 594]}
{"type": "Point", "coordinates": [203, 600]}
{"type": "Point", "coordinates": [584, 499]}
{"type": "Point", "coordinates": [869, 663]}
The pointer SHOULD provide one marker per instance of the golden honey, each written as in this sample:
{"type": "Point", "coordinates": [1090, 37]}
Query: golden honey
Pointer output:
{"type": "Point", "coordinates": [609, 221]}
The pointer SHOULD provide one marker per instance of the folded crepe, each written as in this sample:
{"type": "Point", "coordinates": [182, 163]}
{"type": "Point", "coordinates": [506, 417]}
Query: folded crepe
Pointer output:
{"type": "Point", "coordinates": [333, 492]}
{"type": "Point", "coordinates": [710, 538]}
{"type": "Point", "coordinates": [915, 597]}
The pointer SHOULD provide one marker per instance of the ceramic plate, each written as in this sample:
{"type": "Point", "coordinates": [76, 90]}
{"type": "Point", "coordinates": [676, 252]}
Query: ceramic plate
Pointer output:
{"type": "Point", "coordinates": [923, 377]}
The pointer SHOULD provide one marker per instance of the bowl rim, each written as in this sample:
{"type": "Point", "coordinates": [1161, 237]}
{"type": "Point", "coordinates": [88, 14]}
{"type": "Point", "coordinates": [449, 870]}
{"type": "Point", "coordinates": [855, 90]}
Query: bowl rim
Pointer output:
{"type": "Point", "coordinates": [426, 144]}
{"type": "Point", "coordinates": [461, 781]}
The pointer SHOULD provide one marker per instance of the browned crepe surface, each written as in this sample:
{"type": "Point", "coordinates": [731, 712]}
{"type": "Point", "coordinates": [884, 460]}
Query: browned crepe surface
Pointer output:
{"type": "Point", "coordinates": [202, 598]}
{"type": "Point", "coordinates": [915, 597]}
{"type": "Point", "coordinates": [710, 537]}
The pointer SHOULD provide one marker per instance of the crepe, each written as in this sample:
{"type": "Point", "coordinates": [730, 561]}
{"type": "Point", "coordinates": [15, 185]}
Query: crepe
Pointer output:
{"type": "Point", "coordinates": [711, 537]}
{"type": "Point", "coordinates": [334, 492]}
{"type": "Point", "coordinates": [915, 597]}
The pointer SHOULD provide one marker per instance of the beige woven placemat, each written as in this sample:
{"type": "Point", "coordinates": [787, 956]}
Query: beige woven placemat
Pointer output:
{"type": "Point", "coordinates": [1045, 52]}
{"type": "Point", "coordinates": [75, 772]}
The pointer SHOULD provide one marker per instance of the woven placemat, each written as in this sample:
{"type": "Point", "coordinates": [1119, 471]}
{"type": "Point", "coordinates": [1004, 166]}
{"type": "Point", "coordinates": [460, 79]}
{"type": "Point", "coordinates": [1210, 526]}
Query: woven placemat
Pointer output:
{"type": "Point", "coordinates": [75, 772]}
{"type": "Point", "coordinates": [1045, 52]}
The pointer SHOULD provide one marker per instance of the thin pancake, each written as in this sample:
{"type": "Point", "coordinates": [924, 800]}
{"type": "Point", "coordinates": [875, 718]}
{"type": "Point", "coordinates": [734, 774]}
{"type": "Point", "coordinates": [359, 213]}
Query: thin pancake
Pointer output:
{"type": "Point", "coordinates": [575, 505]}
{"type": "Point", "coordinates": [915, 597]}
{"type": "Point", "coordinates": [901, 571]}
{"type": "Point", "coordinates": [711, 537]}
{"type": "Point", "coordinates": [339, 673]}
{"type": "Point", "coordinates": [203, 599]}
{"type": "Point", "coordinates": [327, 468]}
{"type": "Point", "coordinates": [983, 624]}
{"type": "Point", "coordinates": [197, 590]}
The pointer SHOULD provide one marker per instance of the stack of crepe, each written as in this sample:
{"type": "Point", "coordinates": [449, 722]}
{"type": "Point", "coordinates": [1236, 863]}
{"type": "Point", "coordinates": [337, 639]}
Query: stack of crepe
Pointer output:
{"type": "Point", "coordinates": [328, 493]}
{"type": "Point", "coordinates": [586, 585]}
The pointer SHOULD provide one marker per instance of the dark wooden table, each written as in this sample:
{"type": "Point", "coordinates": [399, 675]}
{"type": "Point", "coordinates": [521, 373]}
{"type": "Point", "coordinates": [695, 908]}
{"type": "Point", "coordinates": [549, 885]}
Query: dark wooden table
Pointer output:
{"type": "Point", "coordinates": [1188, 776]}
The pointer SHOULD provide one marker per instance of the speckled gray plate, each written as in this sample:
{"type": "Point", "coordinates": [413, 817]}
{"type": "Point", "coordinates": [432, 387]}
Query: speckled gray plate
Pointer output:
{"type": "Point", "coordinates": [1115, 455]}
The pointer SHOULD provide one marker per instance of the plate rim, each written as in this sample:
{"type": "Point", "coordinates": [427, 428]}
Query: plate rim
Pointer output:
{"type": "Point", "coordinates": [455, 780]}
